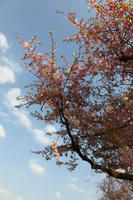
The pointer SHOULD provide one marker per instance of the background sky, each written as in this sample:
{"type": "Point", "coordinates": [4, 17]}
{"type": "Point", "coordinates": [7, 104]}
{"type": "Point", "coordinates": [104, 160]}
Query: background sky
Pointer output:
{"type": "Point", "coordinates": [24, 176]}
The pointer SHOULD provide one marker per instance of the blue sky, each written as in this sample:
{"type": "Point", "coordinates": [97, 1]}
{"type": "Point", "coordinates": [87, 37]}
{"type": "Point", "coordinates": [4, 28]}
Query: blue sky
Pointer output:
{"type": "Point", "coordinates": [24, 176]}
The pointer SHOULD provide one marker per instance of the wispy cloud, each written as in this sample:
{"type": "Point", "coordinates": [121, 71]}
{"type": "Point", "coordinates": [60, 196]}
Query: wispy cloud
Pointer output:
{"type": "Point", "coordinates": [12, 64]}
{"type": "Point", "coordinates": [6, 75]}
{"type": "Point", "coordinates": [11, 102]}
{"type": "Point", "coordinates": [74, 179]}
{"type": "Point", "coordinates": [41, 137]}
{"type": "Point", "coordinates": [11, 96]}
{"type": "Point", "coordinates": [51, 129]}
{"type": "Point", "coordinates": [89, 194]}
{"type": "Point", "coordinates": [23, 118]}
{"type": "Point", "coordinates": [6, 195]}
{"type": "Point", "coordinates": [2, 131]}
{"type": "Point", "coordinates": [36, 168]}
{"type": "Point", "coordinates": [4, 114]}
{"type": "Point", "coordinates": [4, 46]}
{"type": "Point", "coordinates": [7, 67]}
{"type": "Point", "coordinates": [76, 188]}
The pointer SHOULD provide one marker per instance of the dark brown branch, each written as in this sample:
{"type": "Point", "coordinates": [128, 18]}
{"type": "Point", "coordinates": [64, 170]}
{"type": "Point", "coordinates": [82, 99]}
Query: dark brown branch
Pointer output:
{"type": "Point", "coordinates": [126, 58]}
{"type": "Point", "coordinates": [110, 172]}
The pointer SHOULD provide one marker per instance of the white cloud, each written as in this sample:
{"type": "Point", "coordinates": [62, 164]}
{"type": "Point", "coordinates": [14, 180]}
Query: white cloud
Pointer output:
{"type": "Point", "coordinates": [76, 188]}
{"type": "Point", "coordinates": [74, 179]}
{"type": "Point", "coordinates": [90, 194]}
{"type": "Point", "coordinates": [6, 195]}
{"type": "Point", "coordinates": [12, 64]}
{"type": "Point", "coordinates": [4, 114]}
{"type": "Point", "coordinates": [6, 75]}
{"type": "Point", "coordinates": [51, 129]}
{"type": "Point", "coordinates": [11, 96]}
{"type": "Point", "coordinates": [87, 194]}
{"type": "Point", "coordinates": [40, 137]}
{"type": "Point", "coordinates": [36, 168]}
{"type": "Point", "coordinates": [23, 118]}
{"type": "Point", "coordinates": [2, 131]}
{"type": "Point", "coordinates": [58, 195]}
{"type": "Point", "coordinates": [3, 43]}
{"type": "Point", "coordinates": [11, 101]}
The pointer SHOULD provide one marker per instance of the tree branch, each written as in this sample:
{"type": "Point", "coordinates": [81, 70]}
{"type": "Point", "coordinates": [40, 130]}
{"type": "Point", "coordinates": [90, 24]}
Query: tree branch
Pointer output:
{"type": "Point", "coordinates": [126, 58]}
{"type": "Point", "coordinates": [76, 148]}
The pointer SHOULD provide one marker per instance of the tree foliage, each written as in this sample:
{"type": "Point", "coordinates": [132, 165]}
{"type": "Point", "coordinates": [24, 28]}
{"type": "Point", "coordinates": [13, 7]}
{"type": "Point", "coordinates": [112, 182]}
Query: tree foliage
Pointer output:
{"type": "Point", "coordinates": [92, 98]}
{"type": "Point", "coordinates": [115, 189]}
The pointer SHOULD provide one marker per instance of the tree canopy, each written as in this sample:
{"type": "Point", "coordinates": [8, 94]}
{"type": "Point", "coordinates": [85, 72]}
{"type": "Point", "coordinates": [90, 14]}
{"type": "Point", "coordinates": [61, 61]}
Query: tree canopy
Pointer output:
{"type": "Point", "coordinates": [92, 98]}
{"type": "Point", "coordinates": [115, 189]}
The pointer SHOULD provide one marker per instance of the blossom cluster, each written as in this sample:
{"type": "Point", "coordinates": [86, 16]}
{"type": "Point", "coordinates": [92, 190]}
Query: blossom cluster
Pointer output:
{"type": "Point", "coordinates": [54, 148]}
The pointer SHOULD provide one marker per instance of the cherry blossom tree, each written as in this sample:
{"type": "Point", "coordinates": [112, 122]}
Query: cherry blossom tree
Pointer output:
{"type": "Point", "coordinates": [115, 189]}
{"type": "Point", "coordinates": [91, 98]}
